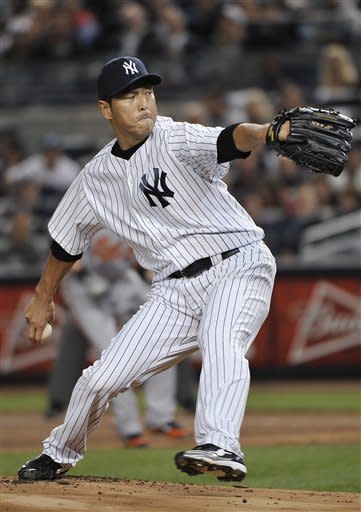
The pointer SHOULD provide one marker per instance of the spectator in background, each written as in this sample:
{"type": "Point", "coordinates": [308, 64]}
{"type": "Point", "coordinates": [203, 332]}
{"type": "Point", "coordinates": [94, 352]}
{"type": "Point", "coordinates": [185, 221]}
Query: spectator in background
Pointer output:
{"type": "Point", "coordinates": [6, 40]}
{"type": "Point", "coordinates": [307, 211]}
{"type": "Point", "coordinates": [348, 201]}
{"type": "Point", "coordinates": [290, 95]}
{"type": "Point", "coordinates": [216, 105]}
{"type": "Point", "coordinates": [25, 194]}
{"type": "Point", "coordinates": [177, 43]}
{"type": "Point", "coordinates": [339, 80]}
{"type": "Point", "coordinates": [250, 105]}
{"type": "Point", "coordinates": [49, 29]}
{"type": "Point", "coordinates": [22, 253]}
{"type": "Point", "coordinates": [195, 112]}
{"type": "Point", "coordinates": [51, 169]}
{"type": "Point", "coordinates": [28, 25]}
{"type": "Point", "coordinates": [39, 181]}
{"type": "Point", "coordinates": [245, 176]}
{"type": "Point", "coordinates": [12, 152]}
{"type": "Point", "coordinates": [258, 107]}
{"type": "Point", "coordinates": [131, 32]}
{"type": "Point", "coordinates": [223, 58]}
{"type": "Point", "coordinates": [270, 25]}
{"type": "Point", "coordinates": [203, 16]}
{"type": "Point", "coordinates": [134, 28]}
{"type": "Point", "coordinates": [287, 178]}
{"type": "Point", "coordinates": [271, 73]}
{"type": "Point", "coordinates": [57, 38]}
{"type": "Point", "coordinates": [271, 220]}
{"type": "Point", "coordinates": [16, 20]}
{"type": "Point", "coordinates": [326, 194]}
{"type": "Point", "coordinates": [23, 242]}
{"type": "Point", "coordinates": [341, 20]}
{"type": "Point", "coordinates": [86, 28]}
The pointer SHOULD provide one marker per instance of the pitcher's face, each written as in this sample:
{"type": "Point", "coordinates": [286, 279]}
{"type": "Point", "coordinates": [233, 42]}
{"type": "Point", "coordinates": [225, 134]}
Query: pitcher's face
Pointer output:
{"type": "Point", "coordinates": [132, 115]}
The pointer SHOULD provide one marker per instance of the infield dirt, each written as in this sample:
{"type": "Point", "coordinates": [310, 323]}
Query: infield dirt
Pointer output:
{"type": "Point", "coordinates": [72, 494]}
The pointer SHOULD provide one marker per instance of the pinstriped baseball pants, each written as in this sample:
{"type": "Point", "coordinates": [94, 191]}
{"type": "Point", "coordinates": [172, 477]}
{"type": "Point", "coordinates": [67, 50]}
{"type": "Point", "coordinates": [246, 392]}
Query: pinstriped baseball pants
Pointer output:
{"type": "Point", "coordinates": [220, 312]}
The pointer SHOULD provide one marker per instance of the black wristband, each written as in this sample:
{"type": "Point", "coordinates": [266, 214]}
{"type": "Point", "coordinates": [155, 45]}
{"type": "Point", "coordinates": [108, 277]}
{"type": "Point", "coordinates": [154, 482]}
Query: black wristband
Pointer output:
{"type": "Point", "coordinates": [226, 148]}
{"type": "Point", "coordinates": [59, 253]}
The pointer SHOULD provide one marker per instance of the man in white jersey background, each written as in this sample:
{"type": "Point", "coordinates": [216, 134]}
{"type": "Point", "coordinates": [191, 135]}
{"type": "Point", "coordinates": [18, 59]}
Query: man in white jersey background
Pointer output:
{"type": "Point", "coordinates": [158, 185]}
{"type": "Point", "coordinates": [101, 293]}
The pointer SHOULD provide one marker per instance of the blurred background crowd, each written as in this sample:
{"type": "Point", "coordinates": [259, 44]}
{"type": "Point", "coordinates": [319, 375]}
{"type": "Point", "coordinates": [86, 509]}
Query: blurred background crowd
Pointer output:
{"type": "Point", "coordinates": [222, 62]}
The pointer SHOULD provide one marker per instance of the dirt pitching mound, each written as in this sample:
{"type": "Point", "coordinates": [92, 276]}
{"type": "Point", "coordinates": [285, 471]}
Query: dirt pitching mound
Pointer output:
{"type": "Point", "coordinates": [73, 494]}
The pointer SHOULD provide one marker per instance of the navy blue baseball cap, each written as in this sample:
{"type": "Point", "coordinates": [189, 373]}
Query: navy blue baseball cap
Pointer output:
{"type": "Point", "coordinates": [122, 73]}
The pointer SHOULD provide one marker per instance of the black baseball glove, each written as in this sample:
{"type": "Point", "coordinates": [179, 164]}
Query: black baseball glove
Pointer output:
{"type": "Point", "coordinates": [319, 139]}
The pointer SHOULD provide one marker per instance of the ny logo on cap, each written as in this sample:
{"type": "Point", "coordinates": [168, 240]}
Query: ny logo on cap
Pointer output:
{"type": "Point", "coordinates": [130, 67]}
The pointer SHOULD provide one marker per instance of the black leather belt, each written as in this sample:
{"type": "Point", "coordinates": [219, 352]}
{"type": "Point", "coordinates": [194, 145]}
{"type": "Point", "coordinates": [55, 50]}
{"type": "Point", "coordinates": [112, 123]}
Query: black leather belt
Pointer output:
{"type": "Point", "coordinates": [199, 266]}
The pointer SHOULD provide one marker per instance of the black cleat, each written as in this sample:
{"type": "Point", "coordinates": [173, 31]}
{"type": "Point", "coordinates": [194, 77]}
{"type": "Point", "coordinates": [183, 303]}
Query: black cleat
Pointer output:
{"type": "Point", "coordinates": [207, 457]}
{"type": "Point", "coordinates": [41, 468]}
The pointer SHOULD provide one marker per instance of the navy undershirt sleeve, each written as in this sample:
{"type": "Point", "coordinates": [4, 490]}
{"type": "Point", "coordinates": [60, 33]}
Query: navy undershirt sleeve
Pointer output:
{"type": "Point", "coordinates": [59, 253]}
{"type": "Point", "coordinates": [226, 149]}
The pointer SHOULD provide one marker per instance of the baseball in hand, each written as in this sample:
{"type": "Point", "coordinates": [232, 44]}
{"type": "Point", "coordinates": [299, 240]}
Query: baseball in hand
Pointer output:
{"type": "Point", "coordinates": [47, 332]}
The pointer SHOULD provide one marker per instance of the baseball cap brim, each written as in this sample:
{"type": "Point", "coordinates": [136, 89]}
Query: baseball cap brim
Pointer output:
{"type": "Point", "coordinates": [149, 79]}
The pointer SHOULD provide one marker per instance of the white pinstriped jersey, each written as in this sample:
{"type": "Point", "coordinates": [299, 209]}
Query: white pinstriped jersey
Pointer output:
{"type": "Point", "coordinates": [168, 200]}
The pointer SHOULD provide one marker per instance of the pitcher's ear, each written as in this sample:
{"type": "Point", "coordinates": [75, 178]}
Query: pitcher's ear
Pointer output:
{"type": "Point", "coordinates": [106, 109]}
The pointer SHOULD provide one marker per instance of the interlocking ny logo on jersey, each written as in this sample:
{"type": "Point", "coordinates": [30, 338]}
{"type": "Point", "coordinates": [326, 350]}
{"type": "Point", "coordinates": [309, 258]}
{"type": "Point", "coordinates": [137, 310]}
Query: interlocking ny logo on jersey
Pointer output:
{"type": "Point", "coordinates": [154, 190]}
{"type": "Point", "coordinates": [130, 67]}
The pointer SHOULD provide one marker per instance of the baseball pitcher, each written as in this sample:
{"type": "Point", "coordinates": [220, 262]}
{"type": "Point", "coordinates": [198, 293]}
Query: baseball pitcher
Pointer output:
{"type": "Point", "coordinates": [158, 185]}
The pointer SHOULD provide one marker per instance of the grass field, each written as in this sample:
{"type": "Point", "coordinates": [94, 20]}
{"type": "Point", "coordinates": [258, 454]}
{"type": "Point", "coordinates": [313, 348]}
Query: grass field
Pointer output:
{"type": "Point", "coordinates": [312, 467]}
{"type": "Point", "coordinates": [260, 399]}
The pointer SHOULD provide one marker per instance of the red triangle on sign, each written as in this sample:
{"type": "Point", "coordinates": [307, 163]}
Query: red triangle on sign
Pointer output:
{"type": "Point", "coordinates": [331, 322]}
